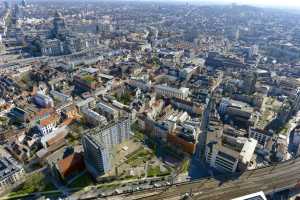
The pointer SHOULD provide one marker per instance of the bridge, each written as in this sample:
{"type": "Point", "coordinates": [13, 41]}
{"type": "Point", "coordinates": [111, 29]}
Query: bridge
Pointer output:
{"type": "Point", "coordinates": [269, 179]}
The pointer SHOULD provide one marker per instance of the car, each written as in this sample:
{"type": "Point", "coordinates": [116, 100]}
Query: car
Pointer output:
{"type": "Point", "coordinates": [118, 191]}
{"type": "Point", "coordinates": [102, 194]}
{"type": "Point", "coordinates": [157, 185]}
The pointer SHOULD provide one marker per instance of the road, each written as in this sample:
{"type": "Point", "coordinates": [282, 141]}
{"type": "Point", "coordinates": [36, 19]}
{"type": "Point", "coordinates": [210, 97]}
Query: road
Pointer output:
{"type": "Point", "coordinates": [270, 179]}
{"type": "Point", "coordinates": [201, 145]}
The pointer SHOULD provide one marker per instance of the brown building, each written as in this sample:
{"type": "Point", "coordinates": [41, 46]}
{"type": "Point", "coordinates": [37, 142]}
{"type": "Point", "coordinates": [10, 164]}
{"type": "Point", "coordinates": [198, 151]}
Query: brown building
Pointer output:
{"type": "Point", "coordinates": [72, 164]}
{"type": "Point", "coordinates": [180, 143]}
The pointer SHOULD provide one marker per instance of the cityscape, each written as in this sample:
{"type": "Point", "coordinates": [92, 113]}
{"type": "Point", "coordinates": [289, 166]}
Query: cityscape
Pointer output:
{"type": "Point", "coordinates": [162, 100]}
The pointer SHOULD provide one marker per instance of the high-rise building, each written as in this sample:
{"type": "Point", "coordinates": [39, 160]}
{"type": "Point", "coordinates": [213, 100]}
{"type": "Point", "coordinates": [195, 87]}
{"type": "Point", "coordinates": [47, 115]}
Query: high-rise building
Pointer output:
{"type": "Point", "coordinates": [296, 105]}
{"type": "Point", "coordinates": [98, 144]}
{"type": "Point", "coordinates": [249, 79]}
{"type": "Point", "coordinates": [96, 156]}
{"type": "Point", "coordinates": [23, 3]}
{"type": "Point", "coordinates": [59, 26]}
{"type": "Point", "coordinates": [237, 34]}
{"type": "Point", "coordinates": [6, 5]}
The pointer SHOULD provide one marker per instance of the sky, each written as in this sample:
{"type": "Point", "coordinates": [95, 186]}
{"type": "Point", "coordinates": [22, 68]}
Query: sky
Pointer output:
{"type": "Point", "coordinates": [272, 3]}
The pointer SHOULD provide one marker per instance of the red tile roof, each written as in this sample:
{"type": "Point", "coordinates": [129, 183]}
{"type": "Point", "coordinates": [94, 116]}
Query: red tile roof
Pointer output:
{"type": "Point", "coordinates": [71, 164]}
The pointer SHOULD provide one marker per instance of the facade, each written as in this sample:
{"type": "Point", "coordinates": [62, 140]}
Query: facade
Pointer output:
{"type": "Point", "coordinates": [10, 172]}
{"type": "Point", "coordinates": [227, 149]}
{"type": "Point", "coordinates": [193, 108]}
{"type": "Point", "coordinates": [96, 155]}
{"type": "Point", "coordinates": [107, 110]}
{"type": "Point", "coordinates": [166, 91]}
{"type": "Point", "coordinates": [257, 195]}
{"type": "Point", "coordinates": [52, 47]}
{"type": "Point", "coordinates": [18, 114]}
{"type": "Point", "coordinates": [93, 117]}
{"type": "Point", "coordinates": [261, 136]}
{"type": "Point", "coordinates": [217, 60]}
{"type": "Point", "coordinates": [70, 165]}
{"type": "Point", "coordinates": [97, 145]}
{"type": "Point", "coordinates": [223, 159]}
{"type": "Point", "coordinates": [85, 82]}
{"type": "Point", "coordinates": [59, 26]}
{"type": "Point", "coordinates": [296, 105]}
{"type": "Point", "coordinates": [237, 112]}
{"type": "Point", "coordinates": [60, 96]}
{"type": "Point", "coordinates": [228, 159]}
{"type": "Point", "coordinates": [43, 101]}
{"type": "Point", "coordinates": [114, 133]}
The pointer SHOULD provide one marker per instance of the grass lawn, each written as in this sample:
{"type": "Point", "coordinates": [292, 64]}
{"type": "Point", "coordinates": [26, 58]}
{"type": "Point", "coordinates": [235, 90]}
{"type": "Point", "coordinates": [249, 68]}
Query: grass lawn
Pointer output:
{"type": "Point", "coordinates": [139, 136]}
{"type": "Point", "coordinates": [185, 166]}
{"type": "Point", "coordinates": [108, 186]}
{"type": "Point", "coordinates": [34, 183]}
{"type": "Point", "coordinates": [139, 157]}
{"type": "Point", "coordinates": [125, 98]}
{"type": "Point", "coordinates": [137, 132]}
{"type": "Point", "coordinates": [155, 171]}
{"type": "Point", "coordinates": [284, 130]}
{"type": "Point", "coordinates": [88, 78]}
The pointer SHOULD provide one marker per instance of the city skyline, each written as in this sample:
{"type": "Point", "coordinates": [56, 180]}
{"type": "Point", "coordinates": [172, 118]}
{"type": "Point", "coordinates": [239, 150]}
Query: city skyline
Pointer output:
{"type": "Point", "coordinates": [272, 3]}
{"type": "Point", "coordinates": [292, 4]}
{"type": "Point", "coordinates": [149, 99]}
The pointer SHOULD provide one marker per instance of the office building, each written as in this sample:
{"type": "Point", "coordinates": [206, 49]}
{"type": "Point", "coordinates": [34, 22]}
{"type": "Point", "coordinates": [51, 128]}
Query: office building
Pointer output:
{"type": "Point", "coordinates": [85, 82]}
{"type": "Point", "coordinates": [227, 150]}
{"type": "Point", "coordinates": [249, 81]}
{"type": "Point", "coordinates": [60, 96]}
{"type": "Point", "coordinates": [43, 100]}
{"type": "Point", "coordinates": [236, 112]}
{"type": "Point", "coordinates": [254, 196]}
{"type": "Point", "coordinates": [191, 107]}
{"type": "Point", "coordinates": [96, 156]}
{"type": "Point", "coordinates": [93, 117]}
{"type": "Point", "coordinates": [217, 60]}
{"type": "Point", "coordinates": [19, 115]}
{"type": "Point", "coordinates": [59, 26]}
{"type": "Point", "coordinates": [107, 110]}
{"type": "Point", "coordinates": [261, 136]}
{"type": "Point", "coordinates": [10, 172]}
{"type": "Point", "coordinates": [166, 91]}
{"type": "Point", "coordinates": [99, 142]}
{"type": "Point", "coordinates": [52, 47]}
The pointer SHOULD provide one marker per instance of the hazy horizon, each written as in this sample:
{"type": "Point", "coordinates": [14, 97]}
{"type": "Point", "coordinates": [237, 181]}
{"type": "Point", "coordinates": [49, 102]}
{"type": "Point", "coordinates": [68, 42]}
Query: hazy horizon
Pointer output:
{"type": "Point", "coordinates": [292, 4]}
{"type": "Point", "coordinates": [272, 3]}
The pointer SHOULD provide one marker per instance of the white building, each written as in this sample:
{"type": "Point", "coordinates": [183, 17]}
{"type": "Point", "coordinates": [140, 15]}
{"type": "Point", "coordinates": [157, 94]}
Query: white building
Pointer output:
{"type": "Point", "coordinates": [261, 136]}
{"type": "Point", "coordinates": [228, 151]}
{"type": "Point", "coordinates": [226, 159]}
{"type": "Point", "coordinates": [166, 91]}
{"type": "Point", "coordinates": [93, 117]}
{"type": "Point", "coordinates": [60, 96]}
{"type": "Point", "coordinates": [10, 172]}
{"type": "Point", "coordinates": [108, 110]}
{"type": "Point", "coordinates": [257, 195]}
